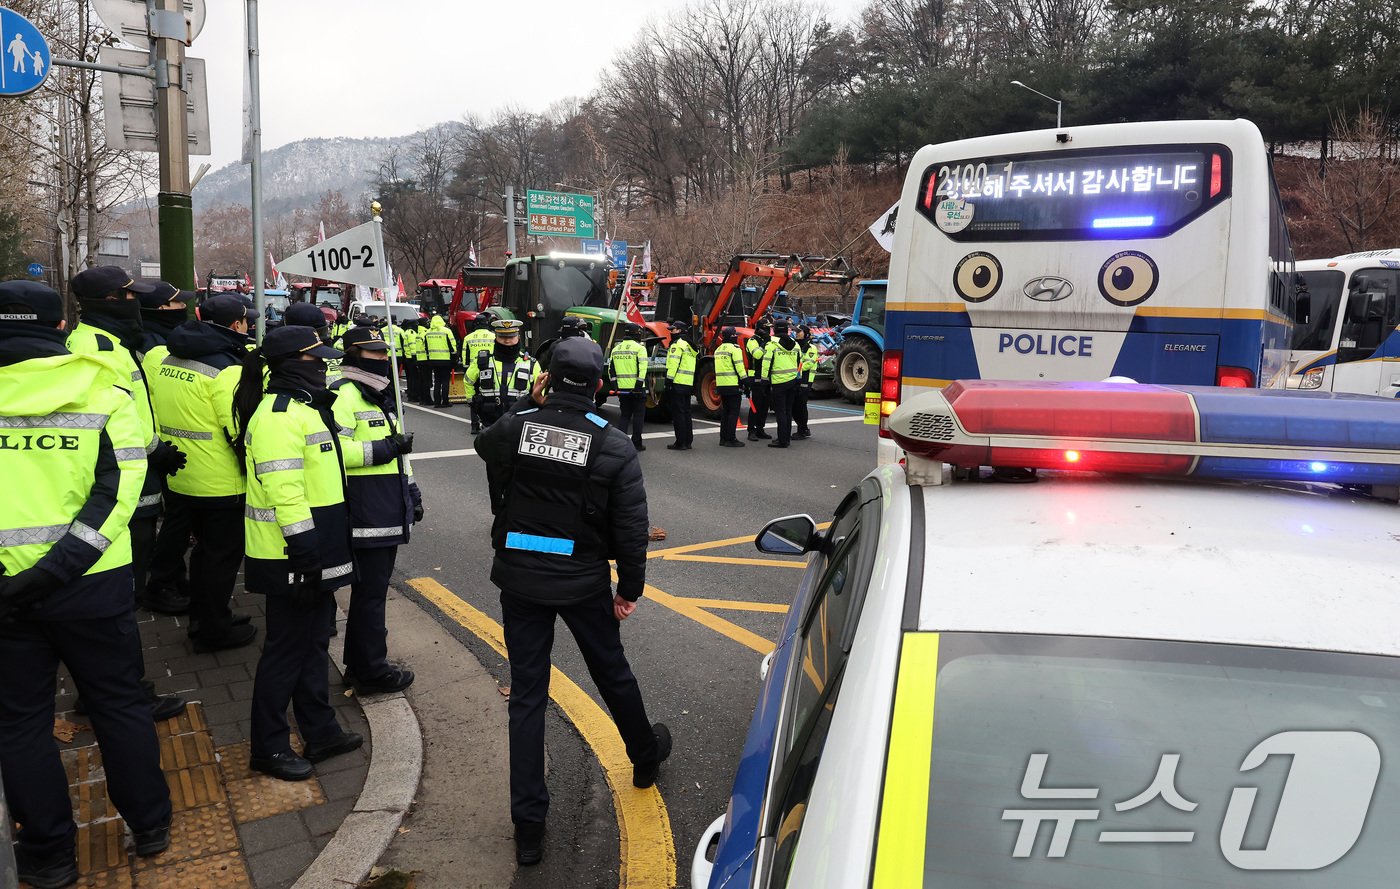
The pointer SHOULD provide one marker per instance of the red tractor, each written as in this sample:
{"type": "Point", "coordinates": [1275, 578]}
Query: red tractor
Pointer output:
{"type": "Point", "coordinates": [738, 298]}
{"type": "Point", "coordinates": [461, 299]}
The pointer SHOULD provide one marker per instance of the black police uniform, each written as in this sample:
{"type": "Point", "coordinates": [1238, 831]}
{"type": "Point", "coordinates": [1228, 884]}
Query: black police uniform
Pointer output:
{"type": "Point", "coordinates": [567, 496]}
{"type": "Point", "coordinates": [87, 622]}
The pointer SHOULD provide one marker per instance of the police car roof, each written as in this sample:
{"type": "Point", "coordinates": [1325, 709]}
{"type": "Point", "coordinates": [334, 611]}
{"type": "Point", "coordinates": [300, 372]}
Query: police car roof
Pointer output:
{"type": "Point", "coordinates": [1275, 564]}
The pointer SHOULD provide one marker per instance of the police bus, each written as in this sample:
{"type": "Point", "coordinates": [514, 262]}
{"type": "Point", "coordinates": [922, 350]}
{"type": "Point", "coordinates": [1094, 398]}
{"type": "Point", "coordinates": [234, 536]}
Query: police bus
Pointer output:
{"type": "Point", "coordinates": [1151, 251]}
{"type": "Point", "coordinates": [1345, 337]}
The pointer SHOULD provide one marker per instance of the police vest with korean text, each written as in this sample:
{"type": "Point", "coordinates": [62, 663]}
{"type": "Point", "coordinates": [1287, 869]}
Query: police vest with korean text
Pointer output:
{"type": "Point", "coordinates": [729, 366]}
{"type": "Point", "coordinates": [550, 507]}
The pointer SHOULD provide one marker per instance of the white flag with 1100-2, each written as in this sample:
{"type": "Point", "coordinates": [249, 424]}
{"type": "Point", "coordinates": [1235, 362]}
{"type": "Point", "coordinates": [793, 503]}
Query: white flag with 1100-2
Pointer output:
{"type": "Point", "coordinates": [351, 257]}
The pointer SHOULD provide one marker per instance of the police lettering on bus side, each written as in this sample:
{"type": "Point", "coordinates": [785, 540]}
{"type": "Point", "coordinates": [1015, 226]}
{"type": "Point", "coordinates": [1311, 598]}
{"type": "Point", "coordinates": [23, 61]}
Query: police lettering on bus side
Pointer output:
{"type": "Point", "coordinates": [1070, 345]}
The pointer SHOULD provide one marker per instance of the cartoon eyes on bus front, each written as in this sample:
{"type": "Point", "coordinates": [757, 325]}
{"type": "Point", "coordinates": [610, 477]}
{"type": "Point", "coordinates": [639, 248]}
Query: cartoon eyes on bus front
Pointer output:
{"type": "Point", "coordinates": [1120, 194]}
{"type": "Point", "coordinates": [1126, 278]}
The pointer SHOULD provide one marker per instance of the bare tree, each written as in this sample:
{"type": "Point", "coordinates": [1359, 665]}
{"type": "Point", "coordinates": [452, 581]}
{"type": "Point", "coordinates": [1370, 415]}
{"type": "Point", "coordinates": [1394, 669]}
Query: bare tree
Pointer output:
{"type": "Point", "coordinates": [1358, 190]}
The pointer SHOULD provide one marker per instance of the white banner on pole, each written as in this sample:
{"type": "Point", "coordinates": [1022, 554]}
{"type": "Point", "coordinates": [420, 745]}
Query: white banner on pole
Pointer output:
{"type": "Point", "coordinates": [351, 257]}
{"type": "Point", "coordinates": [882, 229]}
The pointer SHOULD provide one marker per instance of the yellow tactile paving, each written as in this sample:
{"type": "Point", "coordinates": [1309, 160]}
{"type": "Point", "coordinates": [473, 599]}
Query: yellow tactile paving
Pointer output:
{"type": "Point", "coordinates": [101, 845]}
{"type": "Point", "coordinates": [186, 750]}
{"type": "Point", "coordinates": [197, 833]}
{"type": "Point", "coordinates": [225, 871]}
{"type": "Point", "coordinates": [260, 796]}
{"type": "Point", "coordinates": [211, 790]}
{"type": "Point", "coordinates": [194, 787]}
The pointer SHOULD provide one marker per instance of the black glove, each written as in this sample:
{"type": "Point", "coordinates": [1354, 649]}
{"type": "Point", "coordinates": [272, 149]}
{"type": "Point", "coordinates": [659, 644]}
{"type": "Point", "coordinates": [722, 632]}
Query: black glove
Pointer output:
{"type": "Point", "coordinates": [401, 443]}
{"type": "Point", "coordinates": [167, 459]}
{"type": "Point", "coordinates": [306, 587]}
{"type": "Point", "coordinates": [23, 590]}
{"type": "Point", "coordinates": [418, 512]}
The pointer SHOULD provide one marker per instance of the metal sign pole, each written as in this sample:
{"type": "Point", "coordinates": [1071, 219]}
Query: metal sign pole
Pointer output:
{"type": "Point", "coordinates": [389, 315]}
{"type": "Point", "coordinates": [255, 166]}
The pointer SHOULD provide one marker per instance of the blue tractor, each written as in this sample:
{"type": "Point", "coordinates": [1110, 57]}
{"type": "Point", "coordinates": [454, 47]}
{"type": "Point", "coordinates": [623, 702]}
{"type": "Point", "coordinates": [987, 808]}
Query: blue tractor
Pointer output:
{"type": "Point", "coordinates": [862, 343]}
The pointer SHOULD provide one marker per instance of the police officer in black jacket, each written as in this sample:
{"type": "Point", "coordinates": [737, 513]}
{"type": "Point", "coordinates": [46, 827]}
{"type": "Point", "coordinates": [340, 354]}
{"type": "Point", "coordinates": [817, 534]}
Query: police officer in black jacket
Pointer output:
{"type": "Point", "coordinates": [567, 496]}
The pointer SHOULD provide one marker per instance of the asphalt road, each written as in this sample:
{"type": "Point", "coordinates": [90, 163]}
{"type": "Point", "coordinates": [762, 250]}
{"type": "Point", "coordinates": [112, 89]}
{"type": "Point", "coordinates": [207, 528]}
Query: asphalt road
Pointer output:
{"type": "Point", "coordinates": [697, 662]}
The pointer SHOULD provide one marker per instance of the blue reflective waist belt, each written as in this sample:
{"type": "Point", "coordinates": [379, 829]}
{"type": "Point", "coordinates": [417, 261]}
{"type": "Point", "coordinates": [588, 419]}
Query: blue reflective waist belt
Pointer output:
{"type": "Point", "coordinates": [536, 544]}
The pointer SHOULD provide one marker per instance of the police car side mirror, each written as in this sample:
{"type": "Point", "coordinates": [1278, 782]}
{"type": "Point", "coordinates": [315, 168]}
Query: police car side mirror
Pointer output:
{"type": "Point", "coordinates": [791, 535]}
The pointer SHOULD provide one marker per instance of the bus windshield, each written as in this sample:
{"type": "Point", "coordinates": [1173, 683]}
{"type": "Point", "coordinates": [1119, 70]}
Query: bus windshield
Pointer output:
{"type": "Point", "coordinates": [1135, 191]}
{"type": "Point", "coordinates": [1319, 298]}
{"type": "Point", "coordinates": [573, 285]}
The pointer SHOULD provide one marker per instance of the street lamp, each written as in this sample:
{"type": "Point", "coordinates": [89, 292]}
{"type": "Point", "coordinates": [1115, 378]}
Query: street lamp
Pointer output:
{"type": "Point", "coordinates": [1043, 96]}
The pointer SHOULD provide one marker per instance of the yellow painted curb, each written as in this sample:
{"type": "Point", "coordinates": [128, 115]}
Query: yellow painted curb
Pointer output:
{"type": "Point", "coordinates": [648, 850]}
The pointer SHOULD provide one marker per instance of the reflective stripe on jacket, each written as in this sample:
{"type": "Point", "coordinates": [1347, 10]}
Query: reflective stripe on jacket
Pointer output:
{"type": "Point", "coordinates": [73, 460]}
{"type": "Point", "coordinates": [492, 380]}
{"type": "Point", "coordinates": [194, 401]}
{"type": "Point", "coordinates": [482, 339]}
{"type": "Point", "coordinates": [438, 341]}
{"type": "Point", "coordinates": [729, 366]}
{"type": "Point", "coordinates": [628, 361]}
{"type": "Point", "coordinates": [810, 358]}
{"type": "Point", "coordinates": [379, 486]}
{"type": "Point", "coordinates": [295, 513]}
{"type": "Point", "coordinates": [781, 365]}
{"type": "Point", "coordinates": [680, 363]}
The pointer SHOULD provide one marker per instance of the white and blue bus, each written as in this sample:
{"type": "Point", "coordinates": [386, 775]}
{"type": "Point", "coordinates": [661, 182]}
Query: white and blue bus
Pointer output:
{"type": "Point", "coordinates": [1151, 251]}
{"type": "Point", "coordinates": [1346, 336]}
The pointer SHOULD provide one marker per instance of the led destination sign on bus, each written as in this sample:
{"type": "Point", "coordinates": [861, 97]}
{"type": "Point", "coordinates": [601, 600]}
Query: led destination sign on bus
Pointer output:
{"type": "Point", "coordinates": [1128, 193]}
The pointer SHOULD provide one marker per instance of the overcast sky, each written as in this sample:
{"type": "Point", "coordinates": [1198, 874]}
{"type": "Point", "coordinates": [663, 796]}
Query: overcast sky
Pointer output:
{"type": "Point", "coordinates": [392, 67]}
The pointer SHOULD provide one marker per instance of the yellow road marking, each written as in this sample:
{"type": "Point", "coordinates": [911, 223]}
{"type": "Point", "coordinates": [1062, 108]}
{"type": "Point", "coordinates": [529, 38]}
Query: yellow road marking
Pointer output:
{"type": "Point", "coordinates": [735, 604]}
{"type": "Point", "coordinates": [903, 830]}
{"type": "Point", "coordinates": [689, 608]}
{"type": "Point", "coordinates": [648, 850]}
{"type": "Point", "coordinates": [696, 547]}
{"type": "Point", "coordinates": [735, 560]}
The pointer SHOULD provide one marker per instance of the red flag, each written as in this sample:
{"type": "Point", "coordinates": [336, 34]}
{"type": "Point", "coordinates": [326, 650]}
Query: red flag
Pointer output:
{"type": "Point", "coordinates": [629, 305]}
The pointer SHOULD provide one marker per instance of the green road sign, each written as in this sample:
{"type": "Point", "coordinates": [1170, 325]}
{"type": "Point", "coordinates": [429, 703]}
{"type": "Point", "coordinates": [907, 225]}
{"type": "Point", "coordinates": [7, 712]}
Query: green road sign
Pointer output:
{"type": "Point", "coordinates": [561, 214]}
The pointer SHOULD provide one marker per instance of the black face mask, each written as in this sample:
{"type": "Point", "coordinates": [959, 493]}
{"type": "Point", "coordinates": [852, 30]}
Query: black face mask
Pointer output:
{"type": "Point", "coordinates": [787, 342]}
{"type": "Point", "coordinates": [119, 316]}
{"type": "Point", "coordinates": [296, 375]}
{"type": "Point", "coordinates": [162, 320]}
{"type": "Point", "coordinates": [377, 366]}
{"type": "Point", "coordinates": [507, 353]}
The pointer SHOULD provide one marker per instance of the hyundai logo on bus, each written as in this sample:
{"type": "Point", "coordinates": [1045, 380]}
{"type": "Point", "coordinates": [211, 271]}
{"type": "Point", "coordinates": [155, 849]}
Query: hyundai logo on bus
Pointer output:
{"type": "Point", "coordinates": [1069, 345]}
{"type": "Point", "coordinates": [1048, 289]}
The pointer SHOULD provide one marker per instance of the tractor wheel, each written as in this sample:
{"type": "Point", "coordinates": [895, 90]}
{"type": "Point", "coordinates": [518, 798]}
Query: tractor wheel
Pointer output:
{"type": "Point", "coordinates": [706, 393]}
{"type": "Point", "coordinates": [658, 410]}
{"type": "Point", "coordinates": [857, 369]}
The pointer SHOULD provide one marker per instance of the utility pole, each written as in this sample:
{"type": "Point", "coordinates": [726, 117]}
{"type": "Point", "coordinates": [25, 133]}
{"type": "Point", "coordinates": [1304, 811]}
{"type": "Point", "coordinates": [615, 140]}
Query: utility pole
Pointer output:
{"type": "Point", "coordinates": [176, 210]}
{"type": "Point", "coordinates": [254, 149]}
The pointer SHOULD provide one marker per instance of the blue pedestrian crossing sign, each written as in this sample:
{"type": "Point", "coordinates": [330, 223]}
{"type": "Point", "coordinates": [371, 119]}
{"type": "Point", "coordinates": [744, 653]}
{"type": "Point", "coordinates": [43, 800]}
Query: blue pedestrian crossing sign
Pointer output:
{"type": "Point", "coordinates": [36, 270]}
{"type": "Point", "coordinates": [24, 55]}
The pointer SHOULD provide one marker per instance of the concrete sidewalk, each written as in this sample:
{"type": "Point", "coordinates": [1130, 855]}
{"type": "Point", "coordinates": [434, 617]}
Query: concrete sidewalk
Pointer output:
{"type": "Point", "coordinates": [236, 828]}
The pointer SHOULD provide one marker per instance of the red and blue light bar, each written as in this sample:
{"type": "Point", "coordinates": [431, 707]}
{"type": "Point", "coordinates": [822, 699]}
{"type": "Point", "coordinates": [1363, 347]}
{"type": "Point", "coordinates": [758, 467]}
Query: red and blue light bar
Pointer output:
{"type": "Point", "coordinates": [1209, 432]}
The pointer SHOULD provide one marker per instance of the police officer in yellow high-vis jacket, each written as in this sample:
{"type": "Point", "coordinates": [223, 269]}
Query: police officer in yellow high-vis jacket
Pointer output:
{"type": "Point", "coordinates": [628, 365]}
{"type": "Point", "coordinates": [193, 379]}
{"type": "Point", "coordinates": [384, 502]}
{"type": "Point", "coordinates": [496, 381]}
{"type": "Point", "coordinates": [440, 346]}
{"type": "Point", "coordinates": [782, 361]}
{"type": "Point", "coordinates": [731, 378]}
{"type": "Point", "coordinates": [412, 352]}
{"type": "Point", "coordinates": [481, 338]}
{"type": "Point", "coordinates": [680, 382]}
{"type": "Point", "coordinates": [806, 377]}
{"type": "Point", "coordinates": [73, 456]}
{"type": "Point", "coordinates": [297, 546]}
